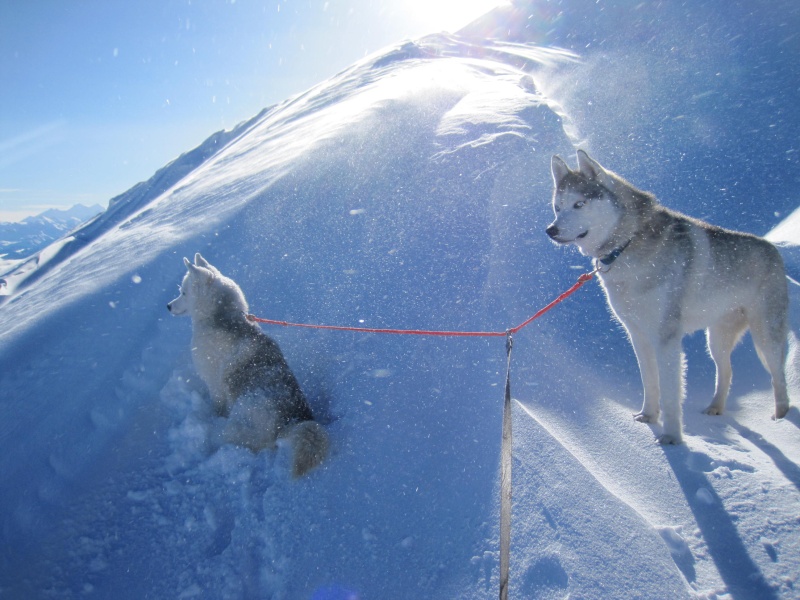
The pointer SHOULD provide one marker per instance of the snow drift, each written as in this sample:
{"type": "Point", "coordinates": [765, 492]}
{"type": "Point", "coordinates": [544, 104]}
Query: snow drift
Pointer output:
{"type": "Point", "coordinates": [410, 190]}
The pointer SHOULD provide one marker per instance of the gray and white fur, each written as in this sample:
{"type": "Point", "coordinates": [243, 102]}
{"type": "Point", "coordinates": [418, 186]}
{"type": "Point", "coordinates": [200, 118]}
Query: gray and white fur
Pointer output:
{"type": "Point", "coordinates": [247, 376]}
{"type": "Point", "coordinates": [666, 275]}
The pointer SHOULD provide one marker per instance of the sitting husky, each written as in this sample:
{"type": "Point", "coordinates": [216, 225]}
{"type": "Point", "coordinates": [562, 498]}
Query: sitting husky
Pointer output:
{"type": "Point", "coordinates": [249, 380]}
{"type": "Point", "coordinates": [666, 275]}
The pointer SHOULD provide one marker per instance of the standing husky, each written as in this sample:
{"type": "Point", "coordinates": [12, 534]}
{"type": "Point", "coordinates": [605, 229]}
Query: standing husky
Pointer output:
{"type": "Point", "coordinates": [666, 275]}
{"type": "Point", "coordinates": [249, 380]}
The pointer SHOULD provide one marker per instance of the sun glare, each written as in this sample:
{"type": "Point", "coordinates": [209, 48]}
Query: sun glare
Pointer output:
{"type": "Point", "coordinates": [448, 15]}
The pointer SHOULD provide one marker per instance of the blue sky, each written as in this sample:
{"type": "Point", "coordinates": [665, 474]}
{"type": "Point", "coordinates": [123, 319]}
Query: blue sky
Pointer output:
{"type": "Point", "coordinates": [99, 94]}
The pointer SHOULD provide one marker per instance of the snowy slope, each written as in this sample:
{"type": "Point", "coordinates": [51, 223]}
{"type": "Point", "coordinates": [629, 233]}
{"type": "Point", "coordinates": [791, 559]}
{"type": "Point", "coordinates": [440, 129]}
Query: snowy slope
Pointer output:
{"type": "Point", "coordinates": [18, 276]}
{"type": "Point", "coordinates": [410, 190]}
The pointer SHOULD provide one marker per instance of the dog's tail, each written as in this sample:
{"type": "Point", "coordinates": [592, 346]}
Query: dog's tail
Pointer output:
{"type": "Point", "coordinates": [309, 446]}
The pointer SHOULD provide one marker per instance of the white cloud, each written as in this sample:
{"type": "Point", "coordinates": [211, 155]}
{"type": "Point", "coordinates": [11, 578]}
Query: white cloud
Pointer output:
{"type": "Point", "coordinates": [31, 142]}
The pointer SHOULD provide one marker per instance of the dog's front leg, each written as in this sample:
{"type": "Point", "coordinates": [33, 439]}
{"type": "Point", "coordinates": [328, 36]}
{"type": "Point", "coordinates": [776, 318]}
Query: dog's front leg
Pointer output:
{"type": "Point", "coordinates": [670, 374]}
{"type": "Point", "coordinates": [648, 369]}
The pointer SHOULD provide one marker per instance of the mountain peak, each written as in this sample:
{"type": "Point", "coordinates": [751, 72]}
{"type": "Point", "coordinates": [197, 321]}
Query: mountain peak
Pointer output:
{"type": "Point", "coordinates": [80, 212]}
{"type": "Point", "coordinates": [20, 240]}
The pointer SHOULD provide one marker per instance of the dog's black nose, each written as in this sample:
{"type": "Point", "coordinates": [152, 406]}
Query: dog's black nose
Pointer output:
{"type": "Point", "coordinates": [169, 308]}
{"type": "Point", "coordinates": [552, 231]}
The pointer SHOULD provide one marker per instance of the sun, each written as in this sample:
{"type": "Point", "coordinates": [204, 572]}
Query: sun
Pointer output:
{"type": "Point", "coordinates": [448, 15]}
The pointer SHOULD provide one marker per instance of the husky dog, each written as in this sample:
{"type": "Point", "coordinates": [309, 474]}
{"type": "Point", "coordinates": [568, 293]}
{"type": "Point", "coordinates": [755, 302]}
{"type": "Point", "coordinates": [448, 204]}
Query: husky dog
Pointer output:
{"type": "Point", "coordinates": [246, 374]}
{"type": "Point", "coordinates": [666, 275]}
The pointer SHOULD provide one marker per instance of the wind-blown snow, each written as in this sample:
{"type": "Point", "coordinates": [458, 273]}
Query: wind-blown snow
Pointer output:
{"type": "Point", "coordinates": [408, 191]}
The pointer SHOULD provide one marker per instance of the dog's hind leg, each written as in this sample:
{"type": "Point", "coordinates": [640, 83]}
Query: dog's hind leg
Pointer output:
{"type": "Point", "coordinates": [722, 338]}
{"type": "Point", "coordinates": [770, 338]}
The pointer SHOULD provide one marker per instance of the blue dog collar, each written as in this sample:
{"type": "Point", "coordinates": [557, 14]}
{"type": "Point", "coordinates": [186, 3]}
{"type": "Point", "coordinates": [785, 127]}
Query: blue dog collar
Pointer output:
{"type": "Point", "coordinates": [614, 255]}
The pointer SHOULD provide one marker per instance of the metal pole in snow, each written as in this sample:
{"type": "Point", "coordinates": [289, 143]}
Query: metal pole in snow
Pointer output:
{"type": "Point", "coordinates": [505, 479]}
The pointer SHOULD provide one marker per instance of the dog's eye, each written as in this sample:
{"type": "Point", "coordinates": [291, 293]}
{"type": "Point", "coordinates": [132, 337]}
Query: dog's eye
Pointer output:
{"type": "Point", "coordinates": [579, 204]}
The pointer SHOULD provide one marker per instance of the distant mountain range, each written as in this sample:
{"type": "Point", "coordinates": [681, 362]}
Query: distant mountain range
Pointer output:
{"type": "Point", "coordinates": [20, 240]}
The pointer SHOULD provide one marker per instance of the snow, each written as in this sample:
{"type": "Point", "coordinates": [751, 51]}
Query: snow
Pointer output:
{"type": "Point", "coordinates": [411, 191]}
{"type": "Point", "coordinates": [20, 240]}
{"type": "Point", "coordinates": [788, 231]}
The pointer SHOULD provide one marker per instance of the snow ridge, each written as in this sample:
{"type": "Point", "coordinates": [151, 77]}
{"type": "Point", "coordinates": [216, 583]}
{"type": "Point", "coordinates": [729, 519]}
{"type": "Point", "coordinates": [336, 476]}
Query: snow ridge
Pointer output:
{"type": "Point", "coordinates": [120, 208]}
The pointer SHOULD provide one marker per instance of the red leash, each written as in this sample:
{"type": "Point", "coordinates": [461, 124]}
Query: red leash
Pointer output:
{"type": "Point", "coordinates": [581, 280]}
{"type": "Point", "coordinates": [505, 462]}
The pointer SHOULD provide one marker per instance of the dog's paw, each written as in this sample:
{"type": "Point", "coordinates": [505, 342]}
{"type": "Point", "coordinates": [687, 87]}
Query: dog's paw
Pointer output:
{"type": "Point", "coordinates": [780, 413]}
{"type": "Point", "coordinates": [713, 411]}
{"type": "Point", "coordinates": [642, 417]}
{"type": "Point", "coordinates": [670, 440]}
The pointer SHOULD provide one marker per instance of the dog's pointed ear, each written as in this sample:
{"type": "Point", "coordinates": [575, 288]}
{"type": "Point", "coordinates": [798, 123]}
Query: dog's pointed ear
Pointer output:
{"type": "Point", "coordinates": [559, 169]}
{"type": "Point", "coordinates": [588, 166]}
{"type": "Point", "coordinates": [594, 170]}
{"type": "Point", "coordinates": [201, 262]}
{"type": "Point", "coordinates": [197, 269]}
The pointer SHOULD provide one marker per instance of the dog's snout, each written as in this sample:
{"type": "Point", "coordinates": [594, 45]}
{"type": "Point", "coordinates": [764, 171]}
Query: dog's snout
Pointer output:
{"type": "Point", "coordinates": [169, 306]}
{"type": "Point", "coordinates": [552, 231]}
